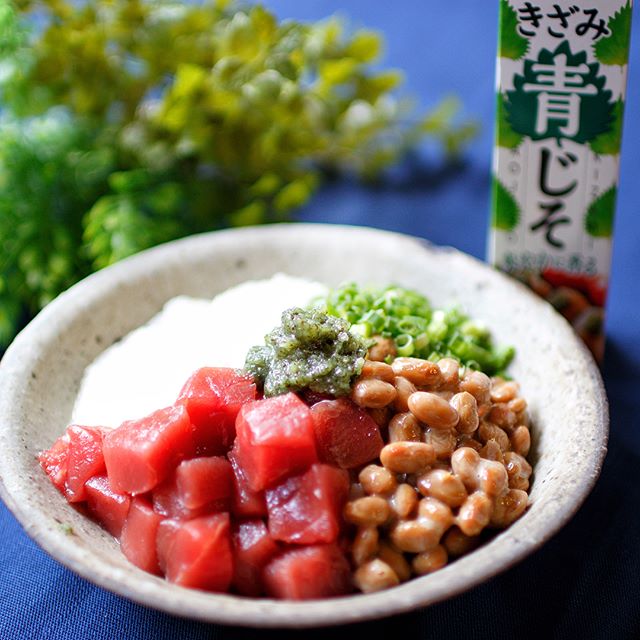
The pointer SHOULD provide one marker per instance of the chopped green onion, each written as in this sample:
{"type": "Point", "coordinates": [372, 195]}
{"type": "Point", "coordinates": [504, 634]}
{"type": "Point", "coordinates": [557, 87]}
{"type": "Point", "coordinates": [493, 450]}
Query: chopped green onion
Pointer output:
{"type": "Point", "coordinates": [404, 345]}
{"type": "Point", "coordinates": [475, 330]}
{"type": "Point", "coordinates": [437, 330]}
{"type": "Point", "coordinates": [422, 341]}
{"type": "Point", "coordinates": [412, 324]}
{"type": "Point", "coordinates": [362, 329]}
{"type": "Point", "coordinates": [471, 352]}
{"type": "Point", "coordinates": [418, 330]}
{"type": "Point", "coordinates": [375, 319]}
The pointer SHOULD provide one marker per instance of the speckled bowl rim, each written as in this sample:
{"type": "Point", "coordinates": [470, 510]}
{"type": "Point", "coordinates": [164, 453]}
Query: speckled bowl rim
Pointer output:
{"type": "Point", "coordinates": [457, 577]}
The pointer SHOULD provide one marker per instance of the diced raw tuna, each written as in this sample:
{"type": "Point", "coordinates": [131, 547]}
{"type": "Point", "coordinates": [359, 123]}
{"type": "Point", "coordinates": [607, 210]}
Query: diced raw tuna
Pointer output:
{"type": "Point", "coordinates": [166, 500]}
{"type": "Point", "coordinates": [166, 531]}
{"type": "Point", "coordinates": [108, 507]}
{"type": "Point", "coordinates": [85, 460]}
{"type": "Point", "coordinates": [346, 435]}
{"type": "Point", "coordinates": [198, 487]}
{"type": "Point", "coordinates": [307, 508]}
{"type": "Point", "coordinates": [139, 533]}
{"type": "Point", "coordinates": [305, 573]}
{"type": "Point", "coordinates": [141, 453]}
{"type": "Point", "coordinates": [213, 397]}
{"type": "Point", "coordinates": [54, 461]}
{"type": "Point", "coordinates": [168, 503]}
{"type": "Point", "coordinates": [197, 553]}
{"type": "Point", "coordinates": [274, 439]}
{"type": "Point", "coordinates": [204, 480]}
{"type": "Point", "coordinates": [253, 548]}
{"type": "Point", "coordinates": [245, 502]}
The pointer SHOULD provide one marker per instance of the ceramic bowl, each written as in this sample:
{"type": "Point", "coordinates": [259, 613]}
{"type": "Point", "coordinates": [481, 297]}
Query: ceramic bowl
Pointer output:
{"type": "Point", "coordinates": [41, 372]}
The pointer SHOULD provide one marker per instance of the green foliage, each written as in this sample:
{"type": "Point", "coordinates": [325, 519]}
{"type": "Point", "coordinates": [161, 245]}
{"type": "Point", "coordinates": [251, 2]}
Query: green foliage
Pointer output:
{"type": "Point", "coordinates": [11, 33]}
{"type": "Point", "coordinates": [505, 210]}
{"type": "Point", "coordinates": [159, 119]}
{"type": "Point", "coordinates": [139, 215]}
{"type": "Point", "coordinates": [49, 170]}
{"type": "Point", "coordinates": [418, 330]}
{"type": "Point", "coordinates": [506, 136]}
{"type": "Point", "coordinates": [596, 111]}
{"type": "Point", "coordinates": [615, 48]}
{"type": "Point", "coordinates": [512, 44]}
{"type": "Point", "coordinates": [609, 141]}
{"type": "Point", "coordinates": [441, 125]}
{"type": "Point", "coordinates": [599, 219]}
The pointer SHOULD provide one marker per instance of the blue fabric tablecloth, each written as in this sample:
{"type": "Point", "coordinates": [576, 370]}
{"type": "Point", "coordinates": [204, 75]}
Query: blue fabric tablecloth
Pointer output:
{"type": "Point", "coordinates": [584, 583]}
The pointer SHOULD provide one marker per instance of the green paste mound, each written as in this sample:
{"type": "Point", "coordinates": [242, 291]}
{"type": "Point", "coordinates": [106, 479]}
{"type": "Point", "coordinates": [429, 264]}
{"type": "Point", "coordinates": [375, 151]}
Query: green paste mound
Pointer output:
{"type": "Point", "coordinates": [309, 350]}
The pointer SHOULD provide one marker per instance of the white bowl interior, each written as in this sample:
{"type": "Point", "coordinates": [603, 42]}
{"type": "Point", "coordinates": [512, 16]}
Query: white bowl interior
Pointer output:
{"type": "Point", "coordinates": [41, 373]}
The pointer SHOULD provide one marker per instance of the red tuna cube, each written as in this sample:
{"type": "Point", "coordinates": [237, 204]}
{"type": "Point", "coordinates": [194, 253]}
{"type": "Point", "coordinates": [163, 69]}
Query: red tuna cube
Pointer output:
{"type": "Point", "coordinates": [213, 397]}
{"type": "Point", "coordinates": [346, 435]}
{"type": "Point", "coordinates": [85, 459]}
{"type": "Point", "coordinates": [307, 509]}
{"type": "Point", "coordinates": [74, 457]}
{"type": "Point", "coordinates": [245, 502]}
{"type": "Point", "coordinates": [197, 553]}
{"type": "Point", "coordinates": [141, 453]}
{"type": "Point", "coordinates": [274, 439]}
{"type": "Point", "coordinates": [168, 502]}
{"type": "Point", "coordinates": [108, 507]}
{"type": "Point", "coordinates": [54, 461]}
{"type": "Point", "coordinates": [204, 480]}
{"type": "Point", "coordinates": [139, 533]}
{"type": "Point", "coordinates": [253, 548]}
{"type": "Point", "coordinates": [199, 486]}
{"type": "Point", "coordinates": [305, 573]}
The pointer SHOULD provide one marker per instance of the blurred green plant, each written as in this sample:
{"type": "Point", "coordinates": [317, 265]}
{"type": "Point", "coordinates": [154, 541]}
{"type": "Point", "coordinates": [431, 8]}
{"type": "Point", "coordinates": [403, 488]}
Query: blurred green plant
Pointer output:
{"type": "Point", "coordinates": [127, 123]}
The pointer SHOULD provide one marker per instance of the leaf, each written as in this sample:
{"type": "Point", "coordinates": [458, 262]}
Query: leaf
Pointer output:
{"type": "Point", "coordinates": [294, 194]}
{"type": "Point", "coordinates": [334, 72]}
{"type": "Point", "coordinates": [266, 185]}
{"type": "Point", "coordinates": [505, 209]}
{"type": "Point", "coordinates": [608, 143]}
{"type": "Point", "coordinates": [254, 213]}
{"type": "Point", "coordinates": [511, 45]}
{"type": "Point", "coordinates": [379, 84]}
{"type": "Point", "coordinates": [441, 116]}
{"type": "Point", "coordinates": [599, 218]}
{"type": "Point", "coordinates": [441, 123]}
{"type": "Point", "coordinates": [129, 181]}
{"type": "Point", "coordinates": [455, 139]}
{"type": "Point", "coordinates": [505, 135]}
{"type": "Point", "coordinates": [365, 46]}
{"type": "Point", "coordinates": [614, 49]}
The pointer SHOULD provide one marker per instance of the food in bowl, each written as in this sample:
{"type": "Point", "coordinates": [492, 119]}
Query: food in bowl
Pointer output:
{"type": "Point", "coordinates": [251, 487]}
